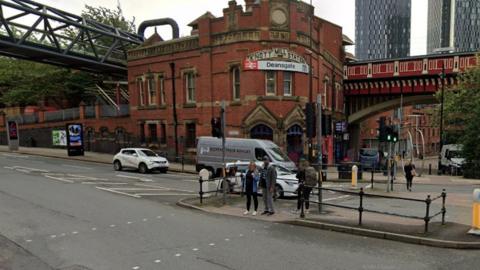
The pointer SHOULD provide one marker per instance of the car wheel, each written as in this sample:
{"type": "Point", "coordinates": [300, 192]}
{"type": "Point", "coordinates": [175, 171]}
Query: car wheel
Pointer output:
{"type": "Point", "coordinates": [278, 192]}
{"type": "Point", "coordinates": [117, 166]}
{"type": "Point", "coordinates": [142, 168]}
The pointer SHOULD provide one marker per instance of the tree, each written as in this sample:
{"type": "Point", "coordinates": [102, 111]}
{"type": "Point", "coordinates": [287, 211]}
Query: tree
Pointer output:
{"type": "Point", "coordinates": [462, 112]}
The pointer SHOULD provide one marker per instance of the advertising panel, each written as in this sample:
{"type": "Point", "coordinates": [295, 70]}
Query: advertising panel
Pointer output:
{"type": "Point", "coordinates": [59, 137]}
{"type": "Point", "coordinates": [75, 139]}
{"type": "Point", "coordinates": [12, 135]}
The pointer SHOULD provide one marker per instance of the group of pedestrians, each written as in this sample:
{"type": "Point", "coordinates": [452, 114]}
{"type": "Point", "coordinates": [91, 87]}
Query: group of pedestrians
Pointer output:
{"type": "Point", "coordinates": [266, 179]}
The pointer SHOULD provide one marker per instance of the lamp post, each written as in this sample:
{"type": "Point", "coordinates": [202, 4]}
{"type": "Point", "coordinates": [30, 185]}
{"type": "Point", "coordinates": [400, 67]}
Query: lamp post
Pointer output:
{"type": "Point", "coordinates": [442, 76]}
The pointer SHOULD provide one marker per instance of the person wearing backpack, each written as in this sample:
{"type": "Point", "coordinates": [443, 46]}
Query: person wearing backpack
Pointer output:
{"type": "Point", "coordinates": [307, 176]}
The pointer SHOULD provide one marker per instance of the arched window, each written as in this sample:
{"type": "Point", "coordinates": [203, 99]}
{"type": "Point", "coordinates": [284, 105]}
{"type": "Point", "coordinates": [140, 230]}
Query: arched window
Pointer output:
{"type": "Point", "coordinates": [261, 132]}
{"type": "Point", "coordinates": [235, 73]}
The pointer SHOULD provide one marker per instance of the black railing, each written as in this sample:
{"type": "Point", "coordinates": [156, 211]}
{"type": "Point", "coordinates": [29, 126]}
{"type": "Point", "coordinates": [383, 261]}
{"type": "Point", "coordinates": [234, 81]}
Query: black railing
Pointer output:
{"type": "Point", "coordinates": [361, 194]}
{"type": "Point", "coordinates": [217, 187]}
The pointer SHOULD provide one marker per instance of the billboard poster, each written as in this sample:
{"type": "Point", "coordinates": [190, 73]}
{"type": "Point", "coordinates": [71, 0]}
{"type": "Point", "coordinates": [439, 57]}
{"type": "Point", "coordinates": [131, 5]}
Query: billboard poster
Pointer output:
{"type": "Point", "coordinates": [12, 135]}
{"type": "Point", "coordinates": [59, 138]}
{"type": "Point", "coordinates": [12, 130]}
{"type": "Point", "coordinates": [75, 139]}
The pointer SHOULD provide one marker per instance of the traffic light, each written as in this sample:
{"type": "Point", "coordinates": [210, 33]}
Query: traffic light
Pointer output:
{"type": "Point", "coordinates": [216, 127]}
{"type": "Point", "coordinates": [326, 125]}
{"type": "Point", "coordinates": [391, 134]}
{"type": "Point", "coordinates": [311, 120]}
{"type": "Point", "coordinates": [382, 131]}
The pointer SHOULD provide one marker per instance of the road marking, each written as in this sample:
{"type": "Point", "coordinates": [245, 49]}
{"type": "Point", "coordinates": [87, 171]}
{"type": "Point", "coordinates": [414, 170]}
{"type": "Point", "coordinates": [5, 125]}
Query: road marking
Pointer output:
{"type": "Point", "coordinates": [135, 177]}
{"type": "Point", "coordinates": [226, 239]}
{"type": "Point", "coordinates": [15, 156]}
{"type": "Point", "coordinates": [30, 169]}
{"type": "Point", "coordinates": [103, 183]}
{"type": "Point", "coordinates": [77, 167]}
{"type": "Point", "coordinates": [58, 178]}
{"type": "Point", "coordinates": [160, 194]}
{"type": "Point", "coordinates": [211, 244]}
{"type": "Point", "coordinates": [137, 189]}
{"type": "Point", "coordinates": [53, 236]}
{"type": "Point", "coordinates": [241, 235]}
{"type": "Point", "coordinates": [63, 234]}
{"type": "Point", "coordinates": [129, 222]}
{"type": "Point", "coordinates": [112, 226]}
{"type": "Point", "coordinates": [145, 219]}
{"type": "Point", "coordinates": [178, 255]}
{"type": "Point", "coordinates": [195, 249]}
{"type": "Point", "coordinates": [28, 241]}
{"type": "Point", "coordinates": [118, 192]}
{"type": "Point", "coordinates": [158, 261]}
{"type": "Point", "coordinates": [159, 217]}
{"type": "Point", "coordinates": [94, 229]}
{"type": "Point", "coordinates": [75, 232]}
{"type": "Point", "coordinates": [86, 177]}
{"type": "Point", "coordinates": [336, 198]}
{"type": "Point", "coordinates": [165, 188]}
{"type": "Point", "coordinates": [136, 267]}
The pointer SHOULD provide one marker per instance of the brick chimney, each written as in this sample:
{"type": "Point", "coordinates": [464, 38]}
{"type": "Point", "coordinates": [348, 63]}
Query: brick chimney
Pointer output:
{"type": "Point", "coordinates": [248, 5]}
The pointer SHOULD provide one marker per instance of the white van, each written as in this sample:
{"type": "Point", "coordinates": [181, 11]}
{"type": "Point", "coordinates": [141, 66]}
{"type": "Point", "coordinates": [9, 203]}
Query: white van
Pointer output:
{"type": "Point", "coordinates": [209, 153]}
{"type": "Point", "coordinates": [452, 160]}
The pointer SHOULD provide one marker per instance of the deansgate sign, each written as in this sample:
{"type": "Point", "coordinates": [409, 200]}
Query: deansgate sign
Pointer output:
{"type": "Point", "coordinates": [271, 60]}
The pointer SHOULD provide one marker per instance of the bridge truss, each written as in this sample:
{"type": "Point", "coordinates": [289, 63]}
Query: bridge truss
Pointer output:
{"type": "Point", "coordinates": [40, 33]}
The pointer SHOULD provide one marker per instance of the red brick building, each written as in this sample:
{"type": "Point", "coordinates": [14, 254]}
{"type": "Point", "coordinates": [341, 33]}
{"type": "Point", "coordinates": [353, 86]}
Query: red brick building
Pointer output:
{"type": "Point", "coordinates": [256, 58]}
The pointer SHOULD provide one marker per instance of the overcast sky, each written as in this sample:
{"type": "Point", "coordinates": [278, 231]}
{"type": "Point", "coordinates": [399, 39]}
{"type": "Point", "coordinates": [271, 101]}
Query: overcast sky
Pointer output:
{"type": "Point", "coordinates": [341, 12]}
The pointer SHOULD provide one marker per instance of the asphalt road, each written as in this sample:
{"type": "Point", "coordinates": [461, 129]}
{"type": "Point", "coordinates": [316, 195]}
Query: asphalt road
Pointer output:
{"type": "Point", "coordinates": [60, 214]}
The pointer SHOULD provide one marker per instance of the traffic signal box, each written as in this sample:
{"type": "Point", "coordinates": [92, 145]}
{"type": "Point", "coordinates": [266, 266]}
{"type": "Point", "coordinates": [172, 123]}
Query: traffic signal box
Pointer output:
{"type": "Point", "coordinates": [216, 127]}
{"type": "Point", "coordinates": [382, 129]}
{"type": "Point", "coordinates": [311, 121]}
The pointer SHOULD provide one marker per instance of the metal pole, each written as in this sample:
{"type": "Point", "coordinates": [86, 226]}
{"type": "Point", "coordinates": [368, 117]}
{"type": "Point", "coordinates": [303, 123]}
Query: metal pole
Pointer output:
{"type": "Point", "coordinates": [389, 165]}
{"type": "Point", "coordinates": [310, 81]}
{"type": "Point", "coordinates": [201, 190]}
{"type": "Point", "coordinates": [427, 213]}
{"type": "Point", "coordinates": [319, 150]}
{"type": "Point", "coordinates": [360, 208]}
{"type": "Point", "coordinates": [392, 162]}
{"type": "Point", "coordinates": [223, 119]}
{"type": "Point", "coordinates": [175, 119]}
{"type": "Point", "coordinates": [444, 210]}
{"type": "Point", "coordinates": [441, 118]}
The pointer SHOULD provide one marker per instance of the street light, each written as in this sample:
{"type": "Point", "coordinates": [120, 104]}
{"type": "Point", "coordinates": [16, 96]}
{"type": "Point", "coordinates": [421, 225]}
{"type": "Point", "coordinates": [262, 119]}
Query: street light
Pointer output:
{"type": "Point", "coordinates": [442, 76]}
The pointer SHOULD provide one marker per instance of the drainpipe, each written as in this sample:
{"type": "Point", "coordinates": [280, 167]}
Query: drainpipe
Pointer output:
{"type": "Point", "coordinates": [157, 22]}
{"type": "Point", "coordinates": [175, 119]}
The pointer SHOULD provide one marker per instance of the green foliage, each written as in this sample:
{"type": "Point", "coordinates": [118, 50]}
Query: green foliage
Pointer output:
{"type": "Point", "coordinates": [109, 17]}
{"type": "Point", "coordinates": [462, 112]}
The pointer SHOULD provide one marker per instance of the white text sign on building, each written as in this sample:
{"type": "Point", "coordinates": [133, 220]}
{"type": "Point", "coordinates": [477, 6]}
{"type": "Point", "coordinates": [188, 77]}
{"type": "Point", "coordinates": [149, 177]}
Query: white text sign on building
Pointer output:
{"type": "Point", "coordinates": [276, 65]}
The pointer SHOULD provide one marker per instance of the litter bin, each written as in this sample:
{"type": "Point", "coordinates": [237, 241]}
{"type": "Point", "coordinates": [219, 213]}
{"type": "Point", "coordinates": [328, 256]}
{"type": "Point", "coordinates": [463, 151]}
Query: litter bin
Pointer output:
{"type": "Point", "coordinates": [345, 170]}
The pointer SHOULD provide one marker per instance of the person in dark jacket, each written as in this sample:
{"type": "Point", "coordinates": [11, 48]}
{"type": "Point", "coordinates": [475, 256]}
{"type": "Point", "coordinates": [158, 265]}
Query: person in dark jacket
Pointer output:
{"type": "Point", "coordinates": [301, 179]}
{"type": "Point", "coordinates": [250, 186]}
{"type": "Point", "coordinates": [409, 169]}
{"type": "Point", "coordinates": [268, 181]}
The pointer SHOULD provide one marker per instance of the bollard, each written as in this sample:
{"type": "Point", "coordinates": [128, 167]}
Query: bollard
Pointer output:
{"type": "Point", "coordinates": [204, 175]}
{"type": "Point", "coordinates": [430, 169]}
{"type": "Point", "coordinates": [475, 213]}
{"type": "Point", "coordinates": [354, 176]}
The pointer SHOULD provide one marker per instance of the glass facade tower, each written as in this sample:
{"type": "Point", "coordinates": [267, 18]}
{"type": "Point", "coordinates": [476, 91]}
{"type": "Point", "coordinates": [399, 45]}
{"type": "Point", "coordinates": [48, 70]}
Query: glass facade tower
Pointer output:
{"type": "Point", "coordinates": [382, 29]}
{"type": "Point", "coordinates": [455, 24]}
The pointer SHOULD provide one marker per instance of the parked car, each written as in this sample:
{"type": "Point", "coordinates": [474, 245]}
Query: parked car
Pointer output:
{"type": "Point", "coordinates": [287, 183]}
{"type": "Point", "coordinates": [209, 153]}
{"type": "Point", "coordinates": [144, 160]}
{"type": "Point", "coordinates": [452, 160]}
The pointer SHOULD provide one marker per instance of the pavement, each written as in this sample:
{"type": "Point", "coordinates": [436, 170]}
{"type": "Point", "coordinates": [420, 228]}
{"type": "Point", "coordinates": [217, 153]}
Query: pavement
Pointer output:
{"type": "Point", "coordinates": [69, 214]}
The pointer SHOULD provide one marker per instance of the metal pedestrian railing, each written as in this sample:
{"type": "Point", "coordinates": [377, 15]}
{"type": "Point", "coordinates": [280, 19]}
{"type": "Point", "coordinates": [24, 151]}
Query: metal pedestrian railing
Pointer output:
{"type": "Point", "coordinates": [361, 208]}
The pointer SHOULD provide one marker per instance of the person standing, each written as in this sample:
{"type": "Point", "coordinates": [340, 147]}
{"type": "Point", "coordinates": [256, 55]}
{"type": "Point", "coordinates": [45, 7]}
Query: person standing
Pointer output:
{"type": "Point", "coordinates": [409, 169]}
{"type": "Point", "coordinates": [307, 179]}
{"type": "Point", "coordinates": [250, 183]}
{"type": "Point", "coordinates": [268, 181]}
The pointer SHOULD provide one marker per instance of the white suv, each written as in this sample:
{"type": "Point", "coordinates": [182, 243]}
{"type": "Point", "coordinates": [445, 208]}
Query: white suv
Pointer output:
{"type": "Point", "coordinates": [144, 160]}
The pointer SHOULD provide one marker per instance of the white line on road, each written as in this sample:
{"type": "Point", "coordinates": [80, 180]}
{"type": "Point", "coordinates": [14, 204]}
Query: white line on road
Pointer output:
{"type": "Point", "coordinates": [58, 179]}
{"type": "Point", "coordinates": [161, 194]}
{"type": "Point", "coordinates": [178, 255]}
{"type": "Point", "coordinates": [136, 267]}
{"type": "Point", "coordinates": [138, 189]}
{"type": "Point", "coordinates": [77, 167]}
{"type": "Point", "coordinates": [195, 249]}
{"type": "Point", "coordinates": [173, 189]}
{"type": "Point", "coordinates": [103, 183]}
{"type": "Point", "coordinates": [118, 192]}
{"type": "Point", "coordinates": [336, 198]}
{"type": "Point", "coordinates": [157, 261]}
{"type": "Point", "coordinates": [15, 156]}
{"type": "Point", "coordinates": [28, 241]}
{"type": "Point", "coordinates": [135, 177]}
